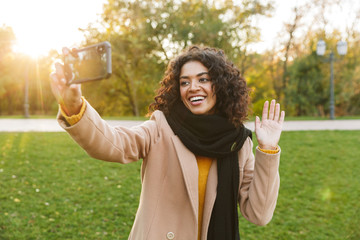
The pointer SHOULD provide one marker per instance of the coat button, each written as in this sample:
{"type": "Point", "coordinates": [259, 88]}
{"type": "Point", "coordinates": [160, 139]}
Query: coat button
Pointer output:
{"type": "Point", "coordinates": [170, 235]}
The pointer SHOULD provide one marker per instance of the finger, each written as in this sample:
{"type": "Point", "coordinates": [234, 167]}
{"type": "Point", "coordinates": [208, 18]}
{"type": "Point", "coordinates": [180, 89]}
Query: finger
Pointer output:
{"type": "Point", "coordinates": [74, 52]}
{"type": "Point", "coordinates": [65, 51]}
{"type": "Point", "coordinates": [76, 89]}
{"type": "Point", "coordinates": [257, 123]}
{"type": "Point", "coordinates": [265, 110]}
{"type": "Point", "coordinates": [272, 110]}
{"type": "Point", "coordinates": [282, 117]}
{"type": "Point", "coordinates": [55, 81]}
{"type": "Point", "coordinates": [55, 86]}
{"type": "Point", "coordinates": [59, 69]}
{"type": "Point", "coordinates": [277, 112]}
{"type": "Point", "coordinates": [53, 77]}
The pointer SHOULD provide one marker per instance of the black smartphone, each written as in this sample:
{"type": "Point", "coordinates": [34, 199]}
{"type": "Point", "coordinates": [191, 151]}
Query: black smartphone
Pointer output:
{"type": "Point", "coordinates": [88, 64]}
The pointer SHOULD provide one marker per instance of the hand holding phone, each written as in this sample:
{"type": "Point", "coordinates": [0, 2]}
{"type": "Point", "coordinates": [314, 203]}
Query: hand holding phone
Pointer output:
{"type": "Point", "coordinates": [68, 96]}
{"type": "Point", "coordinates": [88, 64]}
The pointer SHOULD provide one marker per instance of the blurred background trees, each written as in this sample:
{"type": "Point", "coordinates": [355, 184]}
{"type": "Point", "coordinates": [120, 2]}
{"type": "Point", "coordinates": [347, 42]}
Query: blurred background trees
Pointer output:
{"type": "Point", "coordinates": [145, 35]}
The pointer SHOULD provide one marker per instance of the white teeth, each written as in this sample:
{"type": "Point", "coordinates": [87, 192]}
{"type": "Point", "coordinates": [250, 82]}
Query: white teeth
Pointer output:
{"type": "Point", "coordinates": [196, 98]}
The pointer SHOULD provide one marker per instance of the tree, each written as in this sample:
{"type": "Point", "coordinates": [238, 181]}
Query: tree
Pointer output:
{"type": "Point", "coordinates": [7, 39]}
{"type": "Point", "coordinates": [307, 92]}
{"type": "Point", "coordinates": [299, 13]}
{"type": "Point", "coordinates": [145, 35]}
{"type": "Point", "coordinates": [7, 88]}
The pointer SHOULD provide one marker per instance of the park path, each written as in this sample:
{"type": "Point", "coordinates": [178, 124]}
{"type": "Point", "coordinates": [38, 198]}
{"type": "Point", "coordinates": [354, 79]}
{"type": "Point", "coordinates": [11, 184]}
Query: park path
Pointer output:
{"type": "Point", "coordinates": [51, 125]}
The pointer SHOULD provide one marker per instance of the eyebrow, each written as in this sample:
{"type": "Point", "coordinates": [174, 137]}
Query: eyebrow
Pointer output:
{"type": "Point", "coordinates": [197, 75]}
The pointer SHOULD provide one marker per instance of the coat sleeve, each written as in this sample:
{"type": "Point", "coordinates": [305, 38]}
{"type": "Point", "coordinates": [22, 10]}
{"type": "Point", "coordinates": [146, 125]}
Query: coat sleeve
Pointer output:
{"type": "Point", "coordinates": [108, 143]}
{"type": "Point", "coordinates": [259, 185]}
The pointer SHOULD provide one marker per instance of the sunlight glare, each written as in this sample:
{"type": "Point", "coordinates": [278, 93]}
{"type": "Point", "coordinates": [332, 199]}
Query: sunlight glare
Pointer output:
{"type": "Point", "coordinates": [42, 25]}
{"type": "Point", "coordinates": [32, 48]}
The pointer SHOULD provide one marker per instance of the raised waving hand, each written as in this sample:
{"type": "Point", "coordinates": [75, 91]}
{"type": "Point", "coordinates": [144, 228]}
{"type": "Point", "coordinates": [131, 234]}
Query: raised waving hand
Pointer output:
{"type": "Point", "coordinates": [268, 129]}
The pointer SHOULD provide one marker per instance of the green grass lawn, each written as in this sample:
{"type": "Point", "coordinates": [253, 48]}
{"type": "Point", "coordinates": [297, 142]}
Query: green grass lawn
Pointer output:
{"type": "Point", "coordinates": [50, 189]}
{"type": "Point", "coordinates": [127, 118]}
{"type": "Point", "coordinates": [143, 118]}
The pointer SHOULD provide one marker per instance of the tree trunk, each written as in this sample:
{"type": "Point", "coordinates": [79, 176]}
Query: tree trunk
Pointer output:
{"type": "Point", "coordinates": [132, 99]}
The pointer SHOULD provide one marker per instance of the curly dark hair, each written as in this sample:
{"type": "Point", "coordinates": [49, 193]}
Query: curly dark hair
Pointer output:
{"type": "Point", "coordinates": [232, 93]}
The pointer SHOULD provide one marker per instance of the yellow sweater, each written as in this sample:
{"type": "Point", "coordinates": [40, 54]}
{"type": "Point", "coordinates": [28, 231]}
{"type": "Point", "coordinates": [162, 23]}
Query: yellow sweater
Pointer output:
{"type": "Point", "coordinates": [203, 163]}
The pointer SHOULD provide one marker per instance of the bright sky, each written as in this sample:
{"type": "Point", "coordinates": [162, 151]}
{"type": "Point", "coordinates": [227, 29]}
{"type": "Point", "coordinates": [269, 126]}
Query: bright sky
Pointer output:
{"type": "Point", "coordinates": [339, 17]}
{"type": "Point", "coordinates": [41, 25]}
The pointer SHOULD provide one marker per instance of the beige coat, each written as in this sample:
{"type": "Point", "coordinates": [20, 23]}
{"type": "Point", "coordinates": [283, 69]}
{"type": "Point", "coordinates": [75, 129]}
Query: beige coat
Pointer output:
{"type": "Point", "coordinates": [168, 207]}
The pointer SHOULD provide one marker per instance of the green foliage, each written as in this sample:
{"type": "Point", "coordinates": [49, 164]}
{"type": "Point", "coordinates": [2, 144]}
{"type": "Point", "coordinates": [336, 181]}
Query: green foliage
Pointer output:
{"type": "Point", "coordinates": [258, 79]}
{"type": "Point", "coordinates": [17, 69]}
{"type": "Point", "coordinates": [307, 92]}
{"type": "Point", "coordinates": [50, 189]}
{"type": "Point", "coordinates": [348, 80]}
{"type": "Point", "coordinates": [7, 39]}
{"type": "Point", "coordinates": [12, 83]}
{"type": "Point", "coordinates": [145, 35]}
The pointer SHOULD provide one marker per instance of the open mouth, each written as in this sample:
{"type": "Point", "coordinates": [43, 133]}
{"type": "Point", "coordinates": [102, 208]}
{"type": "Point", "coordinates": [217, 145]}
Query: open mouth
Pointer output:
{"type": "Point", "coordinates": [196, 99]}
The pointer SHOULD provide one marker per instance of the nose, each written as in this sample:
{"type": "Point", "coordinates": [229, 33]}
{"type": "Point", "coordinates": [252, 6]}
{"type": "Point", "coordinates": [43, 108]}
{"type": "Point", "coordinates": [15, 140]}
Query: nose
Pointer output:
{"type": "Point", "coordinates": [194, 86]}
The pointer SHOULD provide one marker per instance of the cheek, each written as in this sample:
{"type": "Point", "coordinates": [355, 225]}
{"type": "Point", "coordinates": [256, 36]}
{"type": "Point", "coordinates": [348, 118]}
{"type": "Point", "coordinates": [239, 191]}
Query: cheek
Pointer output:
{"type": "Point", "coordinates": [182, 93]}
{"type": "Point", "coordinates": [210, 90]}
{"type": "Point", "coordinates": [212, 94]}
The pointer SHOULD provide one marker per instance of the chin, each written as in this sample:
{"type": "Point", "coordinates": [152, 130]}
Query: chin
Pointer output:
{"type": "Point", "coordinates": [200, 112]}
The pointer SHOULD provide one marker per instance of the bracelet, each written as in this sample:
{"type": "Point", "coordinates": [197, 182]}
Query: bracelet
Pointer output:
{"type": "Point", "coordinates": [269, 151]}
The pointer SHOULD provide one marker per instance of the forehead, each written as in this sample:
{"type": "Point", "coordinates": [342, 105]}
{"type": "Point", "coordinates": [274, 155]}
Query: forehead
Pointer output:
{"type": "Point", "coordinates": [193, 68]}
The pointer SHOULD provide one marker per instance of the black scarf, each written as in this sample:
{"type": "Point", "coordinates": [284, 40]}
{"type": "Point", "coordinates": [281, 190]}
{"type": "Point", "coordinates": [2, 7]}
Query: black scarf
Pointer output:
{"type": "Point", "coordinates": [215, 137]}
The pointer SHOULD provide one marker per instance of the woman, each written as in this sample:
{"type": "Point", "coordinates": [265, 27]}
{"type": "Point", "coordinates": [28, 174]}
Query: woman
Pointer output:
{"type": "Point", "coordinates": [198, 163]}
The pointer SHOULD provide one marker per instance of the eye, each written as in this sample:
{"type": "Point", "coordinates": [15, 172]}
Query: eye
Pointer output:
{"type": "Point", "coordinates": [204, 80]}
{"type": "Point", "coordinates": [184, 83]}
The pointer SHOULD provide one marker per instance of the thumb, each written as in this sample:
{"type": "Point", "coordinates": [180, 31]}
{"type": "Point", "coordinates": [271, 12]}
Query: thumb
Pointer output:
{"type": "Point", "coordinates": [75, 89]}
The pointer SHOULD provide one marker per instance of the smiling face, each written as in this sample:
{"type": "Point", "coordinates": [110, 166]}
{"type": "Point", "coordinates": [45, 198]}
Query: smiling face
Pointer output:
{"type": "Point", "coordinates": [195, 88]}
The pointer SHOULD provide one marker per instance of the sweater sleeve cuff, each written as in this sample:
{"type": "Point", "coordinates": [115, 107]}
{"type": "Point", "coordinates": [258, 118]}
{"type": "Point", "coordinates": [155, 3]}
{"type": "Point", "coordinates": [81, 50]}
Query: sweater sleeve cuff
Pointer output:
{"type": "Point", "coordinates": [74, 118]}
{"type": "Point", "coordinates": [268, 151]}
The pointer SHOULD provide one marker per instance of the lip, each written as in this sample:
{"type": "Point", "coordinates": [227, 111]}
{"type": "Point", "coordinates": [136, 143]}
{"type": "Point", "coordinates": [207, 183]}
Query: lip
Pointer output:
{"type": "Point", "coordinates": [196, 103]}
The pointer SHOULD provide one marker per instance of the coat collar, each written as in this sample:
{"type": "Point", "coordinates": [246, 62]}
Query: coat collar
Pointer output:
{"type": "Point", "coordinates": [190, 172]}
